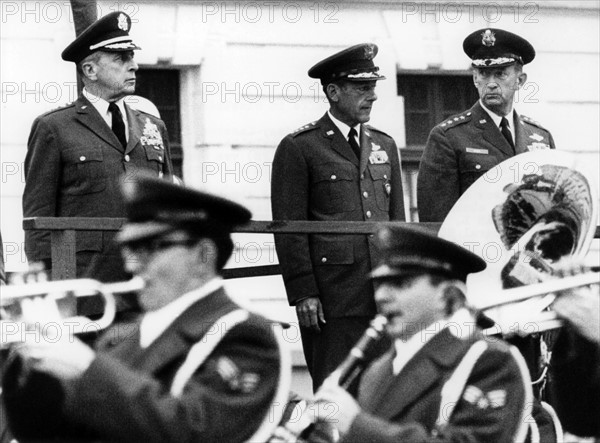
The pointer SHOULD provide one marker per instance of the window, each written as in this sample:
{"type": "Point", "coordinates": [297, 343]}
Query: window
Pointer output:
{"type": "Point", "coordinates": [161, 87]}
{"type": "Point", "coordinates": [429, 98]}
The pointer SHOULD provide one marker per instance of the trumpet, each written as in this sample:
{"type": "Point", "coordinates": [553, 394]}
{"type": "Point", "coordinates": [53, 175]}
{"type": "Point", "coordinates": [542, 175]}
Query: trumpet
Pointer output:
{"type": "Point", "coordinates": [541, 295]}
{"type": "Point", "coordinates": [15, 296]}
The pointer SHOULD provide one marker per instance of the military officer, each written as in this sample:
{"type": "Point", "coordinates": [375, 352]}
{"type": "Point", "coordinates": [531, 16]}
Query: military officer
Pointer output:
{"type": "Point", "coordinates": [78, 154]}
{"type": "Point", "coordinates": [465, 146]}
{"type": "Point", "coordinates": [196, 367]}
{"type": "Point", "coordinates": [341, 169]}
{"type": "Point", "coordinates": [441, 379]}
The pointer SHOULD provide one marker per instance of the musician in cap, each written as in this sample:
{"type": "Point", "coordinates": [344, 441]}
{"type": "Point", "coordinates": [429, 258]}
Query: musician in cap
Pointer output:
{"type": "Point", "coordinates": [77, 154]}
{"type": "Point", "coordinates": [441, 380]}
{"type": "Point", "coordinates": [465, 146]}
{"type": "Point", "coordinates": [196, 367]}
{"type": "Point", "coordinates": [336, 168]}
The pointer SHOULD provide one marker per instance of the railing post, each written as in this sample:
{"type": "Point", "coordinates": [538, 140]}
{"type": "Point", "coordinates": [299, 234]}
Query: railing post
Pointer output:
{"type": "Point", "coordinates": [63, 254]}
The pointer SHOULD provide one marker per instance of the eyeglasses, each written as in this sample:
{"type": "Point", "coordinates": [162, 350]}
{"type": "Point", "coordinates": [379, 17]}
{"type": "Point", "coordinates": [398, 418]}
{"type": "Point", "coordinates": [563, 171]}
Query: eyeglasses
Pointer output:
{"type": "Point", "coordinates": [157, 244]}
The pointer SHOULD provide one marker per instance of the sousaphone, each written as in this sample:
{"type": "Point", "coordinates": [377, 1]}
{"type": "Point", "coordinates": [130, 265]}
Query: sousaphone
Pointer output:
{"type": "Point", "coordinates": [527, 217]}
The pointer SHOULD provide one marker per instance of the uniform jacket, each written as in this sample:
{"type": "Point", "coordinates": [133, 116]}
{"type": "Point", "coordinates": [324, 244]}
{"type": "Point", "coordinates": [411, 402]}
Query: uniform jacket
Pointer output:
{"type": "Point", "coordinates": [405, 407]}
{"type": "Point", "coordinates": [124, 394]}
{"type": "Point", "coordinates": [75, 164]}
{"type": "Point", "coordinates": [316, 176]}
{"type": "Point", "coordinates": [462, 149]}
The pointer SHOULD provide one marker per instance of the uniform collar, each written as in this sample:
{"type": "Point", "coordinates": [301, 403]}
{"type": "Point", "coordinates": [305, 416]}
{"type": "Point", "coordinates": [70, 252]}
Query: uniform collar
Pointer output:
{"type": "Point", "coordinates": [460, 325]}
{"type": "Point", "coordinates": [343, 127]}
{"type": "Point", "coordinates": [154, 323]}
{"type": "Point", "coordinates": [101, 106]}
{"type": "Point", "coordinates": [497, 118]}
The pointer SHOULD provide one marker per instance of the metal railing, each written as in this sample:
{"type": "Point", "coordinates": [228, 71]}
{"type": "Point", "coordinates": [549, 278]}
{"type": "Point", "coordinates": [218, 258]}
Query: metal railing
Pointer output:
{"type": "Point", "coordinates": [63, 237]}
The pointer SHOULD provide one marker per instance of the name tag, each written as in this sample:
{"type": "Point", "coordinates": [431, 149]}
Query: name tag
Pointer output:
{"type": "Point", "coordinates": [477, 151]}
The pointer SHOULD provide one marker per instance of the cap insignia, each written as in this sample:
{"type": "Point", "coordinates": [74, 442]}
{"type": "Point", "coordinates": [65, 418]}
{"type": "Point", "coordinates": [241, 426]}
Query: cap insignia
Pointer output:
{"type": "Point", "coordinates": [369, 52]}
{"type": "Point", "coordinates": [122, 22]}
{"type": "Point", "coordinates": [488, 38]}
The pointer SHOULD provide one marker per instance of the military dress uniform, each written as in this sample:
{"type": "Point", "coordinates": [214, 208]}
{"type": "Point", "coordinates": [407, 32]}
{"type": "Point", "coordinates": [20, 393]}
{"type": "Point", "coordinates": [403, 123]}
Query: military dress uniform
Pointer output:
{"type": "Point", "coordinates": [317, 176]}
{"type": "Point", "coordinates": [75, 162]}
{"type": "Point", "coordinates": [458, 385]}
{"type": "Point", "coordinates": [212, 375]}
{"type": "Point", "coordinates": [464, 147]}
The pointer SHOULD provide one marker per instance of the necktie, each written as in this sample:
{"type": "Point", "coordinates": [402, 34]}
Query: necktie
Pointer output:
{"type": "Point", "coordinates": [506, 132]}
{"type": "Point", "coordinates": [118, 126]}
{"type": "Point", "coordinates": [353, 144]}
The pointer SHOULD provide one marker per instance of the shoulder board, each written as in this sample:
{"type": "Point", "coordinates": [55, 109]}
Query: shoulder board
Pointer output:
{"type": "Point", "coordinates": [305, 128]}
{"type": "Point", "coordinates": [61, 108]}
{"type": "Point", "coordinates": [532, 122]}
{"type": "Point", "coordinates": [455, 120]}
{"type": "Point", "coordinates": [371, 128]}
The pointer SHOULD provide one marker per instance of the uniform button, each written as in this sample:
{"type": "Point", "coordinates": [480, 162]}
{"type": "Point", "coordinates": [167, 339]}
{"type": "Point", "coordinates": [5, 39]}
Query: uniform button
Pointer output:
{"type": "Point", "coordinates": [385, 176]}
{"type": "Point", "coordinates": [362, 176]}
{"type": "Point", "coordinates": [368, 214]}
{"type": "Point", "coordinates": [324, 260]}
{"type": "Point", "coordinates": [82, 158]}
{"type": "Point", "coordinates": [477, 166]}
{"type": "Point", "coordinates": [127, 158]}
{"type": "Point", "coordinates": [365, 194]}
{"type": "Point", "coordinates": [333, 176]}
{"type": "Point", "coordinates": [159, 158]}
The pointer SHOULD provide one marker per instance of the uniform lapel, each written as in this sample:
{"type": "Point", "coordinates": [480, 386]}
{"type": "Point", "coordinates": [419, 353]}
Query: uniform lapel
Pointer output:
{"type": "Point", "coordinates": [429, 367]}
{"type": "Point", "coordinates": [521, 134]}
{"type": "Point", "coordinates": [135, 129]}
{"type": "Point", "coordinates": [338, 141]}
{"type": "Point", "coordinates": [376, 382]}
{"type": "Point", "coordinates": [490, 131]}
{"type": "Point", "coordinates": [89, 117]}
{"type": "Point", "coordinates": [365, 147]}
{"type": "Point", "coordinates": [185, 331]}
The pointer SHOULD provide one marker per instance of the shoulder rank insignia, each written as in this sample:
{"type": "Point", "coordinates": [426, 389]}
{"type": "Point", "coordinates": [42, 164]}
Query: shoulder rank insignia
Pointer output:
{"type": "Point", "coordinates": [455, 120]}
{"type": "Point", "coordinates": [301, 129]}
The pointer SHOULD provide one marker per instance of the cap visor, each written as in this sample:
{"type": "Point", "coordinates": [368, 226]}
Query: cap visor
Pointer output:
{"type": "Point", "coordinates": [134, 232]}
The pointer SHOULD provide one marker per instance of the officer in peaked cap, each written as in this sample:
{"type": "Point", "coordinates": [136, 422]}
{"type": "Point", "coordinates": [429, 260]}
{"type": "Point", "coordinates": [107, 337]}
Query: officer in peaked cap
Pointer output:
{"type": "Point", "coordinates": [352, 64]}
{"type": "Point", "coordinates": [489, 48]}
{"type": "Point", "coordinates": [77, 154]}
{"type": "Point", "coordinates": [412, 251]}
{"type": "Point", "coordinates": [465, 146]}
{"type": "Point", "coordinates": [157, 208]}
{"type": "Point", "coordinates": [337, 168]}
{"type": "Point", "coordinates": [437, 357]}
{"type": "Point", "coordinates": [176, 240]}
{"type": "Point", "coordinates": [110, 34]}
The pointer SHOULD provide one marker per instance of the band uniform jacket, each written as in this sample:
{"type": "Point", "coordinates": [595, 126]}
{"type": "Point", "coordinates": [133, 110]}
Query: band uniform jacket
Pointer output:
{"type": "Point", "coordinates": [124, 394]}
{"type": "Point", "coordinates": [74, 167]}
{"type": "Point", "coordinates": [317, 176]}
{"type": "Point", "coordinates": [405, 407]}
{"type": "Point", "coordinates": [462, 149]}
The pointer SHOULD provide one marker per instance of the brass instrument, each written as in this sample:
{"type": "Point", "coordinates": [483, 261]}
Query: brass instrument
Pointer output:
{"type": "Point", "coordinates": [59, 292]}
{"type": "Point", "coordinates": [543, 320]}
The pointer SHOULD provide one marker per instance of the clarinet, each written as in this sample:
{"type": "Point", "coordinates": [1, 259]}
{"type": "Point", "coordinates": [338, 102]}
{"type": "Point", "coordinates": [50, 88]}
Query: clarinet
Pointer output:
{"type": "Point", "coordinates": [346, 373]}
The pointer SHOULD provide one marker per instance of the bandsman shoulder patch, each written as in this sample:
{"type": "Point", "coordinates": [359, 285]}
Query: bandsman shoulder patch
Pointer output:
{"type": "Point", "coordinates": [455, 120]}
{"type": "Point", "coordinates": [305, 128]}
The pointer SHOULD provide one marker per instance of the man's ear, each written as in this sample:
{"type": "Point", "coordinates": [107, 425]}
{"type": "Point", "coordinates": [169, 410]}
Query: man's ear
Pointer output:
{"type": "Point", "coordinates": [454, 294]}
{"type": "Point", "coordinates": [207, 252]}
{"type": "Point", "coordinates": [521, 79]}
{"type": "Point", "coordinates": [90, 70]}
{"type": "Point", "coordinates": [333, 92]}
